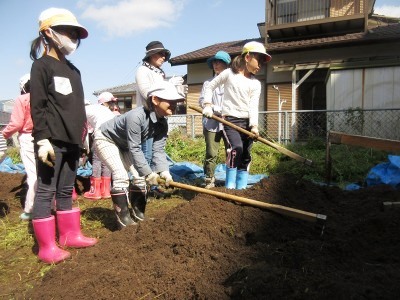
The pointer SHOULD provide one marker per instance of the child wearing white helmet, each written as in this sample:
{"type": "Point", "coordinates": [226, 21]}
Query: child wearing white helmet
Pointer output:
{"type": "Point", "coordinates": [119, 141]}
{"type": "Point", "coordinates": [21, 123]}
{"type": "Point", "coordinates": [59, 119]}
{"type": "Point", "coordinates": [240, 106]}
{"type": "Point", "coordinates": [96, 115]}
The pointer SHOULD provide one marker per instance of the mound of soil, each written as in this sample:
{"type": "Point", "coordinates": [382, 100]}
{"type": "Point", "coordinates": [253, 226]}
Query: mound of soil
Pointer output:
{"type": "Point", "coordinates": [208, 248]}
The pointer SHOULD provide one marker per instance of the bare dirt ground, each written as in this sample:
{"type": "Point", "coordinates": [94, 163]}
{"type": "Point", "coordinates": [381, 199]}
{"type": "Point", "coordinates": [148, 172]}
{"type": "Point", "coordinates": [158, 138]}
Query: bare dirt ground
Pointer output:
{"type": "Point", "coordinates": [208, 248]}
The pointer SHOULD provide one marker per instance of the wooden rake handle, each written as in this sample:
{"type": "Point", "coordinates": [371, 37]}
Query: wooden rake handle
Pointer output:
{"type": "Point", "coordinates": [282, 210]}
{"type": "Point", "coordinates": [258, 138]}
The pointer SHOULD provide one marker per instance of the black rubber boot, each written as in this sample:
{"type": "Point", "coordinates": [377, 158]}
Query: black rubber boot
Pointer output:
{"type": "Point", "coordinates": [138, 198]}
{"type": "Point", "coordinates": [120, 200]}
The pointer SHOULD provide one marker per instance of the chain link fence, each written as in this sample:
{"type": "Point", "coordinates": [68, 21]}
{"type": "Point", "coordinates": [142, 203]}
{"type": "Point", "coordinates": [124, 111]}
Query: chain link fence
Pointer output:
{"type": "Point", "coordinates": [292, 126]}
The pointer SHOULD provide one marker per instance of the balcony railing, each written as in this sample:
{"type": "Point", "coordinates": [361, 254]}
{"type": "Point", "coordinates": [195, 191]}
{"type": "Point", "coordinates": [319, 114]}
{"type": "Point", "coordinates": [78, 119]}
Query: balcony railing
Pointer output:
{"type": "Point", "coordinates": [287, 19]}
{"type": "Point", "coordinates": [292, 11]}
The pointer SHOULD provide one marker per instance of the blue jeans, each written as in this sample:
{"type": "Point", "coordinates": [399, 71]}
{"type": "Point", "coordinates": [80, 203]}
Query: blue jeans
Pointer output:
{"type": "Point", "coordinates": [56, 181]}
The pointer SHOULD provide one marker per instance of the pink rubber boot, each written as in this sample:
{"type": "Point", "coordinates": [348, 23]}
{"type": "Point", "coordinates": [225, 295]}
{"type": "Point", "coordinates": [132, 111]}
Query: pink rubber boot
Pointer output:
{"type": "Point", "coordinates": [105, 187]}
{"type": "Point", "coordinates": [45, 233]}
{"type": "Point", "coordinates": [95, 189]}
{"type": "Point", "coordinates": [69, 229]}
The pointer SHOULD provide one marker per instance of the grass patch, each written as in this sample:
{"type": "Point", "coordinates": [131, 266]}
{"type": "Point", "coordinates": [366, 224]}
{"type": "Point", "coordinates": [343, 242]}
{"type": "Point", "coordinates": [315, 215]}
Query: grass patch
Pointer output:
{"type": "Point", "coordinates": [14, 234]}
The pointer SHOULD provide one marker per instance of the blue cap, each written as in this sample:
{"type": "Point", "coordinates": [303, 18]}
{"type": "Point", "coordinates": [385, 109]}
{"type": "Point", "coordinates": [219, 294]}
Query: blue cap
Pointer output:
{"type": "Point", "coordinates": [221, 55]}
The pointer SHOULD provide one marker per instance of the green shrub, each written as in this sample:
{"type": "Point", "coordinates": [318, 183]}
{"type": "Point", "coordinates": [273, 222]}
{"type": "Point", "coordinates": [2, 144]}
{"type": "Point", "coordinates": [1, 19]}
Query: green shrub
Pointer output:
{"type": "Point", "coordinates": [13, 153]}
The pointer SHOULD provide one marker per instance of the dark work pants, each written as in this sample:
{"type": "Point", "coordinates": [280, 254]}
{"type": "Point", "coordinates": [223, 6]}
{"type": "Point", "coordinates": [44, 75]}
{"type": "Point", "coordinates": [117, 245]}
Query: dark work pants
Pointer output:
{"type": "Point", "coordinates": [238, 152]}
{"type": "Point", "coordinates": [56, 181]}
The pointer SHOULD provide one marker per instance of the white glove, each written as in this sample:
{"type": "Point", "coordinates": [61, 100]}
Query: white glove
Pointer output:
{"type": "Point", "coordinates": [166, 175]}
{"type": "Point", "coordinates": [176, 80]}
{"type": "Point", "coordinates": [152, 178]}
{"type": "Point", "coordinates": [217, 109]}
{"type": "Point", "coordinates": [208, 111]}
{"type": "Point", "coordinates": [255, 131]}
{"type": "Point", "coordinates": [182, 89]}
{"type": "Point", "coordinates": [45, 152]}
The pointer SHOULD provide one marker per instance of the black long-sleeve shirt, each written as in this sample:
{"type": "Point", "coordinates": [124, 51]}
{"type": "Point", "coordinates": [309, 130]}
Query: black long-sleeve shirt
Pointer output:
{"type": "Point", "coordinates": [57, 101]}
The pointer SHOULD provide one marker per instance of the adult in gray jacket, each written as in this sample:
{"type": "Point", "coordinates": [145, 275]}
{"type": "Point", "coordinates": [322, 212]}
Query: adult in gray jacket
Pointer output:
{"type": "Point", "coordinates": [119, 145]}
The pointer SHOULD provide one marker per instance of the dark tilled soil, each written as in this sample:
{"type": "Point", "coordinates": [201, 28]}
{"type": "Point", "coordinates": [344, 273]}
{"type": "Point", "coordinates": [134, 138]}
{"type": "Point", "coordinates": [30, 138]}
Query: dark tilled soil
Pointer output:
{"type": "Point", "coordinates": [209, 248]}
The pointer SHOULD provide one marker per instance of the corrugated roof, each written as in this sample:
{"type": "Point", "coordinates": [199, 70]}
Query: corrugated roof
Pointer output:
{"type": "Point", "coordinates": [373, 35]}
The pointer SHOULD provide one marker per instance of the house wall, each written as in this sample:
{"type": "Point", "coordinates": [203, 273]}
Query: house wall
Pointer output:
{"type": "Point", "coordinates": [372, 88]}
{"type": "Point", "coordinates": [347, 53]}
{"type": "Point", "coordinates": [193, 99]}
{"type": "Point", "coordinates": [352, 59]}
{"type": "Point", "coordinates": [272, 121]}
{"type": "Point", "coordinates": [344, 89]}
{"type": "Point", "coordinates": [364, 88]}
{"type": "Point", "coordinates": [382, 88]}
{"type": "Point", "coordinates": [198, 73]}
{"type": "Point", "coordinates": [272, 97]}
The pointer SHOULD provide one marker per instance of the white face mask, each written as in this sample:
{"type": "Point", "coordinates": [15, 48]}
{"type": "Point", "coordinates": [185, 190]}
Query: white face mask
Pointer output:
{"type": "Point", "coordinates": [64, 43]}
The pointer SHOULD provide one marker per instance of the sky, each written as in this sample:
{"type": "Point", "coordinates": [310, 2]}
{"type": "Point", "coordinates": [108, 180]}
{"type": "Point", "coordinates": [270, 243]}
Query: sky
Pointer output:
{"type": "Point", "coordinates": [119, 31]}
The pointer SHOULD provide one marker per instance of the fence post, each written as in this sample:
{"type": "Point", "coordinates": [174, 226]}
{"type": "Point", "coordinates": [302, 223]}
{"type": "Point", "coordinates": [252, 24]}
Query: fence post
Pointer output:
{"type": "Point", "coordinates": [286, 131]}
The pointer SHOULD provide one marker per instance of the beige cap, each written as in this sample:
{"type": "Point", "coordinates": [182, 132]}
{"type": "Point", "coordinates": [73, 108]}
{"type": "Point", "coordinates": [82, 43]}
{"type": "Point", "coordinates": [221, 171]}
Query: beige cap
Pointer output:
{"type": "Point", "coordinates": [59, 16]}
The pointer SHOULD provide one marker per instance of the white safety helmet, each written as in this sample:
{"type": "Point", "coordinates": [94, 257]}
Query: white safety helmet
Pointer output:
{"type": "Point", "coordinates": [23, 80]}
{"type": "Point", "coordinates": [256, 47]}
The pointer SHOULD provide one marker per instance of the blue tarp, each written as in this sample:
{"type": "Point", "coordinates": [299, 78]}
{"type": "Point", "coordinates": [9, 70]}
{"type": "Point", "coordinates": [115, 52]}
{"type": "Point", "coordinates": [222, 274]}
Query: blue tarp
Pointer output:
{"type": "Point", "coordinates": [7, 166]}
{"type": "Point", "coordinates": [186, 172]}
{"type": "Point", "coordinates": [85, 170]}
{"type": "Point", "coordinates": [384, 173]}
